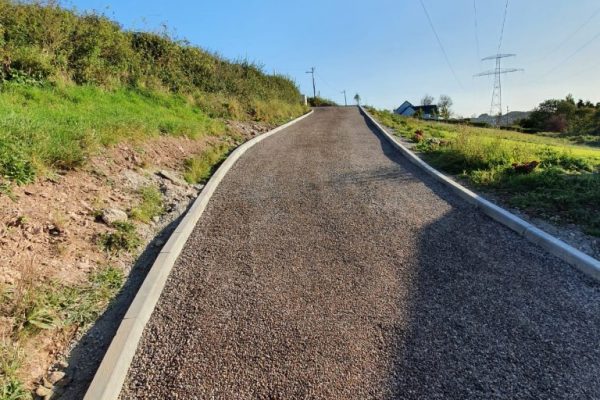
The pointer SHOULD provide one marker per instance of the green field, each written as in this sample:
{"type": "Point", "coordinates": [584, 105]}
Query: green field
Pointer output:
{"type": "Point", "coordinates": [563, 188]}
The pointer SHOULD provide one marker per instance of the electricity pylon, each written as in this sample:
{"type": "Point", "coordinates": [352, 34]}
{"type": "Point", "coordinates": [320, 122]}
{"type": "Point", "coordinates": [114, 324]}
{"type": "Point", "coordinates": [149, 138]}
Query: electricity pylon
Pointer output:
{"type": "Point", "coordinates": [496, 107]}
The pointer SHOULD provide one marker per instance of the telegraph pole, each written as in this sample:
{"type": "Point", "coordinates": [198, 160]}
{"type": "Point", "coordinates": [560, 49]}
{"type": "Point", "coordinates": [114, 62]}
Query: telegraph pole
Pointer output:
{"type": "Point", "coordinates": [312, 72]}
{"type": "Point", "coordinates": [345, 101]}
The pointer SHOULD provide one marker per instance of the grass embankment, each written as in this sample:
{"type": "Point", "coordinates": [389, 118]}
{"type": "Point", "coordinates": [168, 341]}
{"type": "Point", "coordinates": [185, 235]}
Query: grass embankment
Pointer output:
{"type": "Point", "coordinates": [564, 187]}
{"type": "Point", "coordinates": [71, 83]}
{"type": "Point", "coordinates": [49, 127]}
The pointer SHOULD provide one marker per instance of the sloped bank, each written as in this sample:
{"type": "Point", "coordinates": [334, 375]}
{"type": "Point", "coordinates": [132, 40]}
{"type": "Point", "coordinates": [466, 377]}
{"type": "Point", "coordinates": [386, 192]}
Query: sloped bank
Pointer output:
{"type": "Point", "coordinates": [73, 241]}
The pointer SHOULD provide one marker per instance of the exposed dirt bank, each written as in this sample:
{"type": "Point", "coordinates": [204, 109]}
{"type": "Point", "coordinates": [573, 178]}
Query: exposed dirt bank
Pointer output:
{"type": "Point", "coordinates": [50, 234]}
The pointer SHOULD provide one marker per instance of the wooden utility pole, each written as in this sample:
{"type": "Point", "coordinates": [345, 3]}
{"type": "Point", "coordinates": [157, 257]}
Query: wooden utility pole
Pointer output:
{"type": "Point", "coordinates": [312, 72]}
{"type": "Point", "coordinates": [345, 101]}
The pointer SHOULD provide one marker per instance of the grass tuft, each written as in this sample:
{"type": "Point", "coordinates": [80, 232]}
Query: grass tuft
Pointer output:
{"type": "Point", "coordinates": [150, 206]}
{"type": "Point", "coordinates": [36, 306]}
{"type": "Point", "coordinates": [123, 238]}
{"type": "Point", "coordinates": [201, 167]}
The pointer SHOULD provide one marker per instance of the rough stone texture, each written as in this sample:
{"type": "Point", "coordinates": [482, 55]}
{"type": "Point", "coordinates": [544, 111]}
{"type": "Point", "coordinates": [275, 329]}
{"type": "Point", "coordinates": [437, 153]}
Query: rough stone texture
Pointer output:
{"type": "Point", "coordinates": [171, 177]}
{"type": "Point", "coordinates": [326, 266]}
{"type": "Point", "coordinates": [112, 215]}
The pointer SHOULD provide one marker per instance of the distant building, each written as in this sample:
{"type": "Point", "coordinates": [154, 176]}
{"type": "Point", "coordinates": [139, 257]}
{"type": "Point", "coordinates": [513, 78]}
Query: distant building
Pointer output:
{"type": "Point", "coordinates": [425, 112]}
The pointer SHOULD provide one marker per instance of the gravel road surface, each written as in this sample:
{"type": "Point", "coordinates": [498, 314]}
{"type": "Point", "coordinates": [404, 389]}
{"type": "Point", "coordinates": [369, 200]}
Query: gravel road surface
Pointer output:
{"type": "Point", "coordinates": [328, 267]}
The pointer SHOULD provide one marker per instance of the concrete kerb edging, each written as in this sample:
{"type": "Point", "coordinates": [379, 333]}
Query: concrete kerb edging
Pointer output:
{"type": "Point", "coordinates": [111, 374]}
{"type": "Point", "coordinates": [586, 264]}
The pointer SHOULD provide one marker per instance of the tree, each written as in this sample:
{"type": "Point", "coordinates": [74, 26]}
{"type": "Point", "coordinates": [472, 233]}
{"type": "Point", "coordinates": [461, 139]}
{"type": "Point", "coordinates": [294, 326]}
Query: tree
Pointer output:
{"type": "Point", "coordinates": [445, 106]}
{"type": "Point", "coordinates": [357, 98]}
{"type": "Point", "coordinates": [427, 100]}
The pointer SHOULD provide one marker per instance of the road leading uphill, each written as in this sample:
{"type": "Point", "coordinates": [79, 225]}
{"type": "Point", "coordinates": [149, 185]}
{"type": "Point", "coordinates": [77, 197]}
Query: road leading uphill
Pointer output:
{"type": "Point", "coordinates": [326, 266]}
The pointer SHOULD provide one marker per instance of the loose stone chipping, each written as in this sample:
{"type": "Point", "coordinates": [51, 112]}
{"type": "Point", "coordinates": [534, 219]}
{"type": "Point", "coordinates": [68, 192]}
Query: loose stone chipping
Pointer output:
{"type": "Point", "coordinates": [327, 266]}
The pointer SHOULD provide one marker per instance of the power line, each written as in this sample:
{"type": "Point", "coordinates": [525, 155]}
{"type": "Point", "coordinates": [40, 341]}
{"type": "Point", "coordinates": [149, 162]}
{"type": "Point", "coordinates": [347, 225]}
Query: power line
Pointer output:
{"type": "Point", "coordinates": [441, 45]}
{"type": "Point", "coordinates": [560, 64]}
{"type": "Point", "coordinates": [325, 82]}
{"type": "Point", "coordinates": [575, 32]}
{"type": "Point", "coordinates": [503, 24]}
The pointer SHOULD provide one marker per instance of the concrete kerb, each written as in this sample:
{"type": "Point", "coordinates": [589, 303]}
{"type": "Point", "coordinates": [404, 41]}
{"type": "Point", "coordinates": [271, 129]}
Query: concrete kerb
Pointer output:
{"type": "Point", "coordinates": [111, 374]}
{"type": "Point", "coordinates": [586, 264]}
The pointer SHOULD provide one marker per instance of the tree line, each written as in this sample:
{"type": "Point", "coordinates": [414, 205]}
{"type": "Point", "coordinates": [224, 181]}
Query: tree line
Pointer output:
{"type": "Point", "coordinates": [567, 116]}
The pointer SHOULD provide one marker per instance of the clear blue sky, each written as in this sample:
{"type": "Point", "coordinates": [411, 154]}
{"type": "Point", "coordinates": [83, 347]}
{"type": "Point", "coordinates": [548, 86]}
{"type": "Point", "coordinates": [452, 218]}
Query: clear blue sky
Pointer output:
{"type": "Point", "coordinates": [386, 51]}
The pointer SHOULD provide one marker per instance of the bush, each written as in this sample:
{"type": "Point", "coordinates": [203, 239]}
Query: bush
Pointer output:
{"type": "Point", "coordinates": [321, 102]}
{"type": "Point", "coordinates": [48, 42]}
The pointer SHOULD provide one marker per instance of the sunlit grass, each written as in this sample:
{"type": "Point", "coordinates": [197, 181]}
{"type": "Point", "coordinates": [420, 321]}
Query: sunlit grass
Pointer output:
{"type": "Point", "coordinates": [565, 187]}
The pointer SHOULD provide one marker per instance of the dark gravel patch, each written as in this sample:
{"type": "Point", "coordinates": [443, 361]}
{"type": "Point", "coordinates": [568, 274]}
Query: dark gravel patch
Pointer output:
{"type": "Point", "coordinates": [326, 266]}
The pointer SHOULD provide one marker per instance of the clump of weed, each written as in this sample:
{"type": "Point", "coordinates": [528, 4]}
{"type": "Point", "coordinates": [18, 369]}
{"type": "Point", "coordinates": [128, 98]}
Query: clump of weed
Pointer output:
{"type": "Point", "coordinates": [150, 206]}
{"type": "Point", "coordinates": [82, 305]}
{"type": "Point", "coordinates": [14, 166]}
{"type": "Point", "coordinates": [33, 306]}
{"type": "Point", "coordinates": [554, 158]}
{"type": "Point", "coordinates": [123, 238]}
{"type": "Point", "coordinates": [11, 358]}
{"type": "Point", "coordinates": [200, 168]}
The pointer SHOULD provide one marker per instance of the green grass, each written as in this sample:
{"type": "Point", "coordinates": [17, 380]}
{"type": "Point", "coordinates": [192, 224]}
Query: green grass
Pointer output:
{"type": "Point", "coordinates": [201, 167]}
{"type": "Point", "coordinates": [37, 306]}
{"type": "Point", "coordinates": [71, 83]}
{"type": "Point", "coordinates": [150, 206]}
{"type": "Point", "coordinates": [123, 238]}
{"type": "Point", "coordinates": [11, 358]}
{"type": "Point", "coordinates": [564, 188]}
{"type": "Point", "coordinates": [50, 127]}
{"type": "Point", "coordinates": [44, 42]}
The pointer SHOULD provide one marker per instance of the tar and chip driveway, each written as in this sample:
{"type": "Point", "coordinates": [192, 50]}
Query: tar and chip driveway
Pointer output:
{"type": "Point", "coordinates": [327, 266]}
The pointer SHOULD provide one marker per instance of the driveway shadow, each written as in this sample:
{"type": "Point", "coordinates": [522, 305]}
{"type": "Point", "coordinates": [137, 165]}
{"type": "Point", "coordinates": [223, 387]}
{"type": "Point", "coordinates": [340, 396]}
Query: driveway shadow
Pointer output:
{"type": "Point", "coordinates": [489, 314]}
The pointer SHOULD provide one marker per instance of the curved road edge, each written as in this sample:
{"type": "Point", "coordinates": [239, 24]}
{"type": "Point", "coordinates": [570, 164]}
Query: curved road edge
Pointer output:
{"type": "Point", "coordinates": [111, 373]}
{"type": "Point", "coordinates": [583, 262]}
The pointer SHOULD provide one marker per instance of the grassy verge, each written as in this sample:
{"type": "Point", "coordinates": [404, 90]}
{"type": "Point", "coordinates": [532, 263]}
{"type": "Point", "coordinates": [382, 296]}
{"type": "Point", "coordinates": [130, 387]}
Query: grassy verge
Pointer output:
{"type": "Point", "coordinates": [564, 187]}
{"type": "Point", "coordinates": [45, 128]}
{"type": "Point", "coordinates": [201, 167]}
{"type": "Point", "coordinates": [35, 306]}
{"type": "Point", "coordinates": [50, 127]}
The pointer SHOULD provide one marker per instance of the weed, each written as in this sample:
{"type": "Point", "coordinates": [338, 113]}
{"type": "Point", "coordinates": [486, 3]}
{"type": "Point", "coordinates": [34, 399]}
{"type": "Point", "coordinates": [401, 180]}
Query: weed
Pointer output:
{"type": "Point", "coordinates": [82, 305]}
{"type": "Point", "coordinates": [14, 166]}
{"type": "Point", "coordinates": [200, 168]}
{"type": "Point", "coordinates": [151, 204]}
{"type": "Point", "coordinates": [123, 238]}
{"type": "Point", "coordinates": [11, 357]}
{"type": "Point", "coordinates": [35, 306]}
{"type": "Point", "coordinates": [13, 389]}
